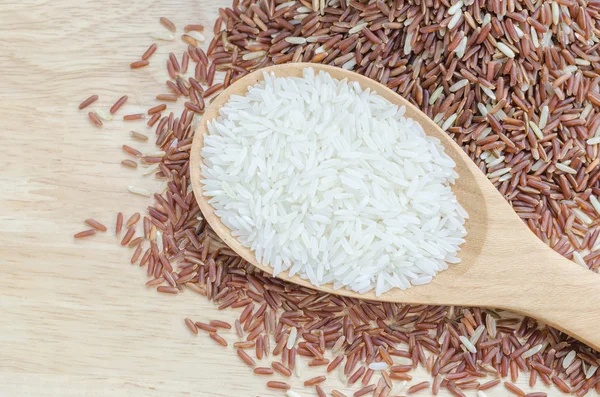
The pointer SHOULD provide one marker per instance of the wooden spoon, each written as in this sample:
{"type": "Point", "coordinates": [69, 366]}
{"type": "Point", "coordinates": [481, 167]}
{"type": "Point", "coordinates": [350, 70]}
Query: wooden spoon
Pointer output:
{"type": "Point", "coordinates": [503, 264]}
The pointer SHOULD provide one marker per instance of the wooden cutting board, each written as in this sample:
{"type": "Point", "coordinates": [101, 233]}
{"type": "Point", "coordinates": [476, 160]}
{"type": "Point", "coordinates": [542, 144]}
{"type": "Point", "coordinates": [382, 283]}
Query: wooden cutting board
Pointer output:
{"type": "Point", "coordinates": [75, 317]}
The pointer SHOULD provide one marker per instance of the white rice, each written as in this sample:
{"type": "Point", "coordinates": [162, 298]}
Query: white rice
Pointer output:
{"type": "Point", "coordinates": [505, 49]}
{"type": "Point", "coordinates": [467, 344]}
{"type": "Point", "coordinates": [292, 338]}
{"type": "Point", "coordinates": [569, 358]}
{"type": "Point", "coordinates": [378, 366]}
{"type": "Point", "coordinates": [326, 180]}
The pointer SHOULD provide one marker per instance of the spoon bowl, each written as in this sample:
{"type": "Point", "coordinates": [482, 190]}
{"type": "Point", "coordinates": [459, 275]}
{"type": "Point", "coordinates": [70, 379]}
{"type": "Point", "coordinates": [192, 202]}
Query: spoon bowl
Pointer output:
{"type": "Point", "coordinates": [503, 264]}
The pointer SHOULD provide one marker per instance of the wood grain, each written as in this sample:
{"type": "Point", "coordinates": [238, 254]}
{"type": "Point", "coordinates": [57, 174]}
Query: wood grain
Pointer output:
{"type": "Point", "coordinates": [76, 319]}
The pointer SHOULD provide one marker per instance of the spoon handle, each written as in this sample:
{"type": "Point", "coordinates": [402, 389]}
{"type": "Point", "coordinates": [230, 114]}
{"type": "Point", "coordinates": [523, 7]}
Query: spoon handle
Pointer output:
{"type": "Point", "coordinates": [561, 294]}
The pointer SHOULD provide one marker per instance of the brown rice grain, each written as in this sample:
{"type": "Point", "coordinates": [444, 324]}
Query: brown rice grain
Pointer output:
{"type": "Point", "coordinates": [361, 392]}
{"type": "Point", "coordinates": [128, 236]}
{"type": "Point", "coordinates": [85, 233]}
{"type": "Point", "coordinates": [132, 117]}
{"type": "Point", "coordinates": [88, 102]}
{"type": "Point", "coordinates": [418, 387]}
{"type": "Point", "coordinates": [133, 219]}
{"type": "Point", "coordinates": [282, 369]}
{"type": "Point", "coordinates": [191, 326]}
{"type": "Point", "coordinates": [168, 24]}
{"type": "Point", "coordinates": [134, 152]}
{"type": "Point", "coordinates": [129, 163]}
{"type": "Point", "coordinates": [218, 338]}
{"type": "Point", "coordinates": [167, 290]}
{"type": "Point", "coordinates": [263, 371]}
{"type": "Point", "coordinates": [148, 53]}
{"type": "Point", "coordinates": [320, 391]}
{"type": "Point", "coordinates": [96, 225]}
{"type": "Point", "coordinates": [315, 380]}
{"type": "Point", "coordinates": [220, 324]}
{"type": "Point", "coordinates": [120, 102]}
{"type": "Point", "coordinates": [139, 64]}
{"type": "Point", "coordinates": [192, 27]}
{"type": "Point", "coordinates": [514, 389]}
{"type": "Point", "coordinates": [278, 385]}
{"type": "Point", "coordinates": [157, 109]}
{"type": "Point", "coordinates": [246, 358]}
{"type": "Point", "coordinates": [119, 223]}
{"type": "Point", "coordinates": [95, 119]}
{"type": "Point", "coordinates": [167, 97]}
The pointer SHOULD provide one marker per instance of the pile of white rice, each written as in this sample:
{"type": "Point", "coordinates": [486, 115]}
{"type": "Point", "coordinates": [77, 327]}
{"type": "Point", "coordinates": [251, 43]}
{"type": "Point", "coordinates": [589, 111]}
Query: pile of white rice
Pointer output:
{"type": "Point", "coordinates": [326, 180]}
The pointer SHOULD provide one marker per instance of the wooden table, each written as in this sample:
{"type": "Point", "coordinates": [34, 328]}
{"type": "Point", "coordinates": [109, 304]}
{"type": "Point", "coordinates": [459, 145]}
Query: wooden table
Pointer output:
{"type": "Point", "coordinates": [75, 317]}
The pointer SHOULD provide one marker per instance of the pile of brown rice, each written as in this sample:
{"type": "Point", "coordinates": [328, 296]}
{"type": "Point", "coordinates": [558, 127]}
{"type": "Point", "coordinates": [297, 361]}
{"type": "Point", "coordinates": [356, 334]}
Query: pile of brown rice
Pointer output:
{"type": "Point", "coordinates": [515, 83]}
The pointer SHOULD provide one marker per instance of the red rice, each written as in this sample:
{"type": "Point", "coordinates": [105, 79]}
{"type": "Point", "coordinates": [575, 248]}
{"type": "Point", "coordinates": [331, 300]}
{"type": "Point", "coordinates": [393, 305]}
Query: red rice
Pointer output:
{"type": "Point", "coordinates": [157, 109]}
{"type": "Point", "coordinates": [131, 117]}
{"type": "Point", "coordinates": [315, 380]}
{"type": "Point", "coordinates": [218, 338]}
{"type": "Point", "coordinates": [545, 199]}
{"type": "Point", "coordinates": [168, 24]}
{"type": "Point", "coordinates": [129, 163]}
{"type": "Point", "coordinates": [128, 236]}
{"type": "Point", "coordinates": [133, 219]}
{"type": "Point", "coordinates": [120, 102]}
{"type": "Point", "coordinates": [418, 387]}
{"type": "Point", "coordinates": [167, 97]}
{"type": "Point", "coordinates": [278, 385]}
{"type": "Point", "coordinates": [85, 233]}
{"type": "Point", "coordinates": [119, 223]}
{"type": "Point", "coordinates": [132, 151]}
{"type": "Point", "coordinates": [96, 225]}
{"type": "Point", "coordinates": [191, 326]}
{"type": "Point", "coordinates": [246, 358]}
{"type": "Point", "coordinates": [95, 119]}
{"type": "Point", "coordinates": [320, 391]}
{"type": "Point", "coordinates": [197, 28]}
{"type": "Point", "coordinates": [263, 371]}
{"type": "Point", "coordinates": [139, 64]}
{"type": "Point", "coordinates": [151, 50]}
{"type": "Point", "coordinates": [88, 102]}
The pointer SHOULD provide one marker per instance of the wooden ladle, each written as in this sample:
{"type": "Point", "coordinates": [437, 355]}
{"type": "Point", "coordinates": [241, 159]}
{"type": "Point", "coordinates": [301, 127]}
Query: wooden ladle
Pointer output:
{"type": "Point", "coordinates": [503, 264]}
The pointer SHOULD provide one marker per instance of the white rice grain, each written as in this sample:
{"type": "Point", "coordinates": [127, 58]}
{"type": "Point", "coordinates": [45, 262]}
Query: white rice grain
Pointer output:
{"type": "Point", "coordinates": [292, 338]}
{"type": "Point", "coordinates": [378, 366]}
{"type": "Point", "coordinates": [467, 344]}
{"type": "Point", "coordinates": [454, 21]}
{"type": "Point", "coordinates": [577, 258]}
{"type": "Point", "coordinates": [565, 168]}
{"type": "Point", "coordinates": [295, 40]}
{"type": "Point", "coordinates": [535, 349]}
{"type": "Point", "coordinates": [555, 13]}
{"type": "Point", "coordinates": [593, 141]}
{"type": "Point", "coordinates": [162, 36]}
{"type": "Point", "coordinates": [458, 85]}
{"type": "Point", "coordinates": [582, 216]}
{"type": "Point", "coordinates": [595, 203]}
{"type": "Point", "coordinates": [569, 358]}
{"type": "Point", "coordinates": [449, 122]}
{"type": "Point", "coordinates": [455, 7]}
{"type": "Point", "coordinates": [544, 117]}
{"type": "Point", "coordinates": [139, 191]}
{"type": "Point", "coordinates": [319, 178]}
{"type": "Point", "coordinates": [505, 49]}
{"type": "Point", "coordinates": [536, 130]}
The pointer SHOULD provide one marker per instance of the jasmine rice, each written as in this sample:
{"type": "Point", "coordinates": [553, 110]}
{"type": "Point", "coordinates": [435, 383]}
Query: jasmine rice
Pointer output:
{"type": "Point", "coordinates": [329, 181]}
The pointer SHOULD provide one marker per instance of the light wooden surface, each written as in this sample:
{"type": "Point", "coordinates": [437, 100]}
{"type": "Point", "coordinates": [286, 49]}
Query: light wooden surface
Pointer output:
{"type": "Point", "coordinates": [75, 317]}
{"type": "Point", "coordinates": [503, 263]}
